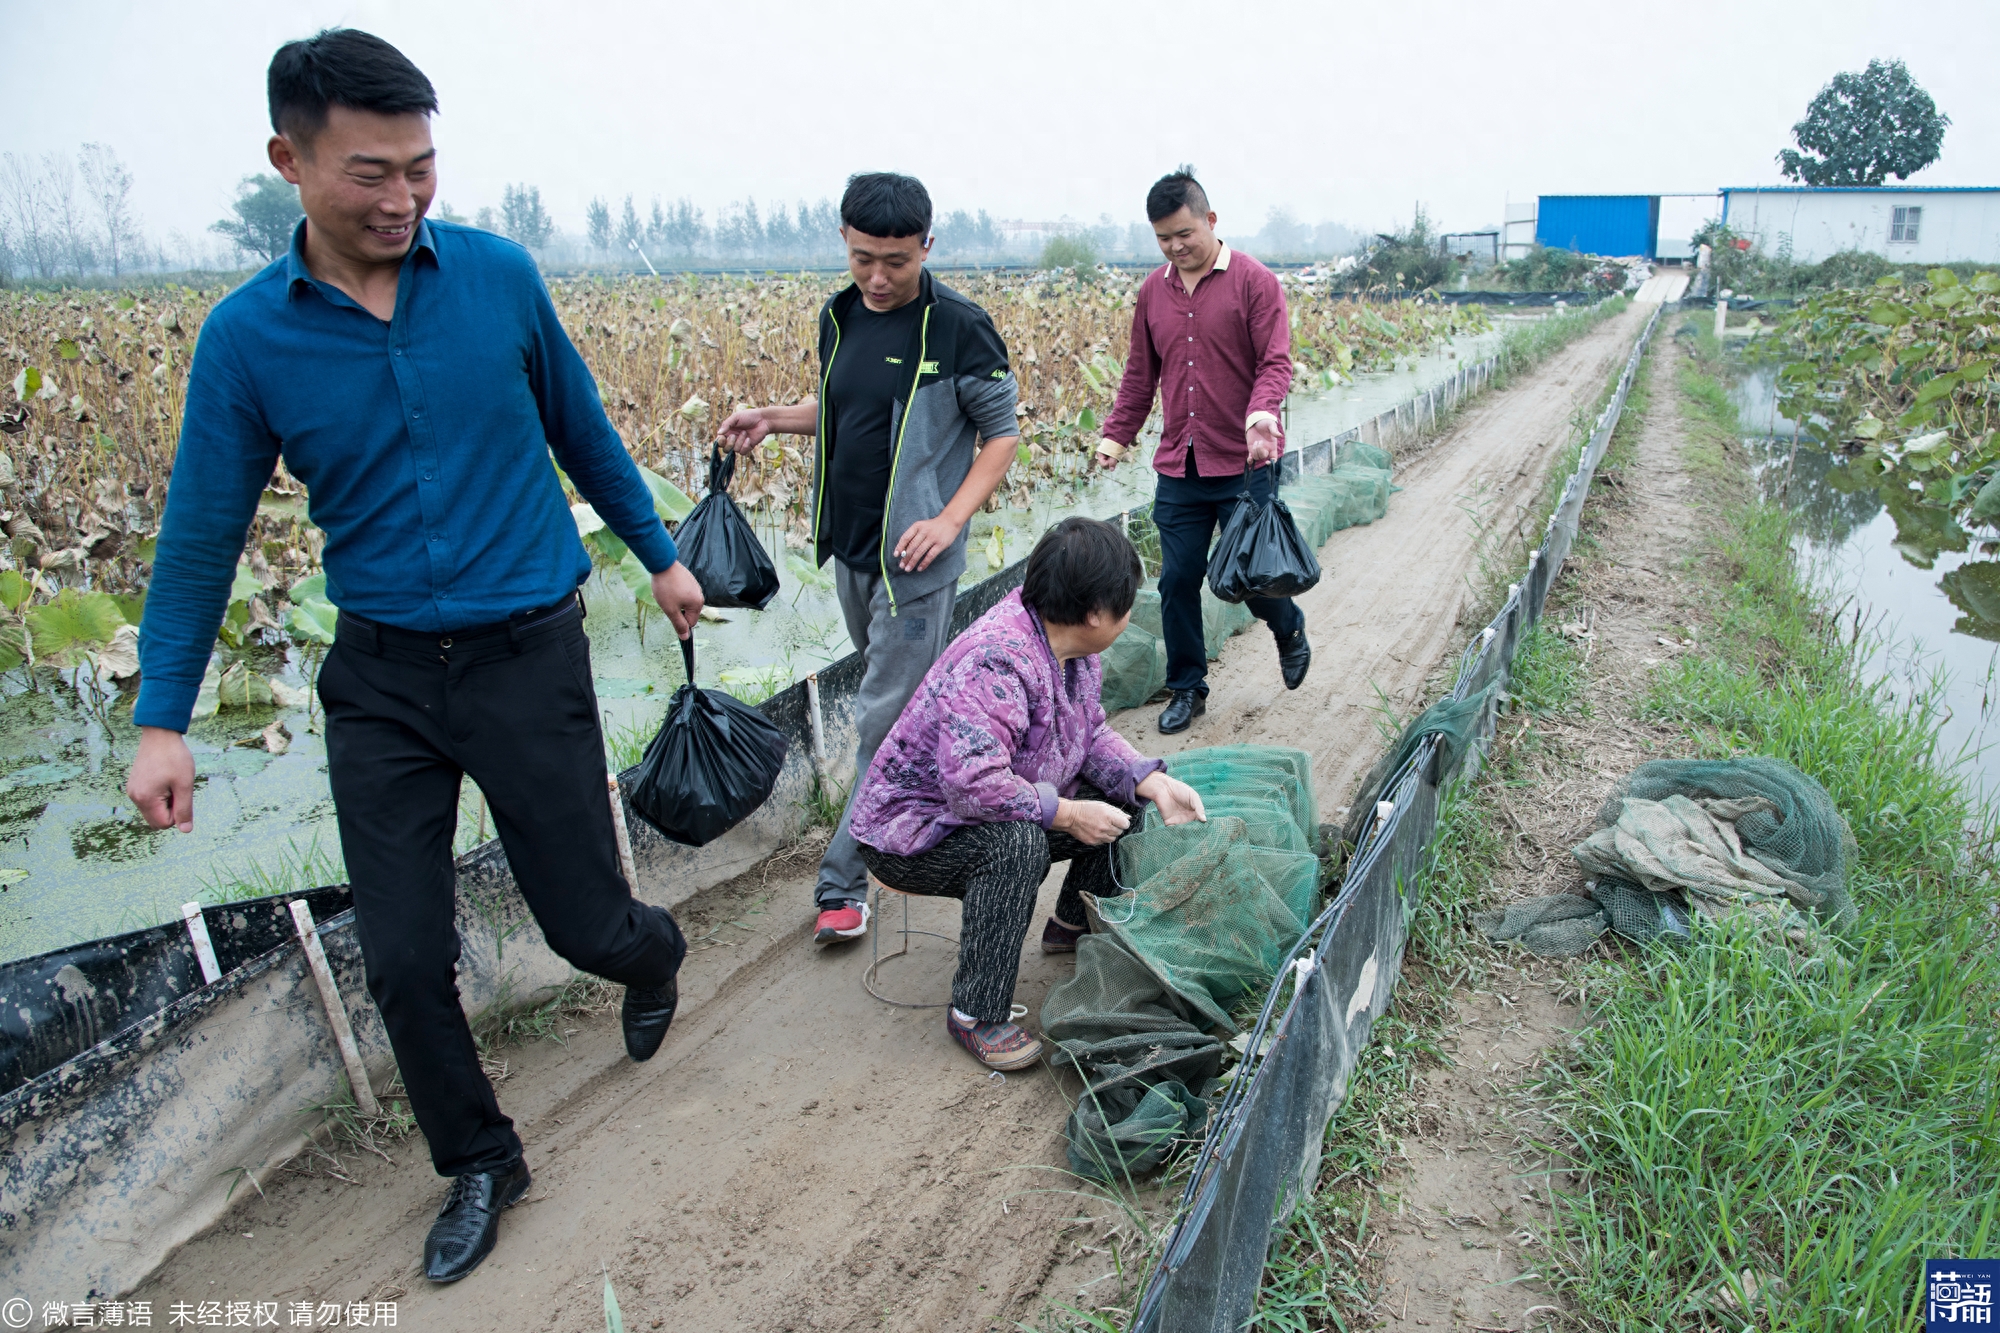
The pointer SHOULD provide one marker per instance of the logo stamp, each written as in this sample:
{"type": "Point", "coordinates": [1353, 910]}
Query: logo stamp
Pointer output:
{"type": "Point", "coordinates": [1958, 1293]}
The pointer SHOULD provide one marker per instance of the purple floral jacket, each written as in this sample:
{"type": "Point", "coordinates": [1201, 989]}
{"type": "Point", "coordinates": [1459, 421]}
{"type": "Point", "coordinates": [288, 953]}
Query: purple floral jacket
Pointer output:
{"type": "Point", "coordinates": [997, 731]}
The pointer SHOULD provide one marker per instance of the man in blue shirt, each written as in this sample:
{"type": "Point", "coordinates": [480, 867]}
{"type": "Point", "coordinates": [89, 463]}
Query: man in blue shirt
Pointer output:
{"type": "Point", "coordinates": [415, 377]}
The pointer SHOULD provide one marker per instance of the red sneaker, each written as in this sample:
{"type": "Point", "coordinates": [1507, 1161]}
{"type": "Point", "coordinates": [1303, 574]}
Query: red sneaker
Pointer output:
{"type": "Point", "coordinates": [841, 919]}
{"type": "Point", "coordinates": [1003, 1046]}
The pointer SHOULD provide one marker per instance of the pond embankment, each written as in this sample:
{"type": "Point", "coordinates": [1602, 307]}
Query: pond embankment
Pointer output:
{"type": "Point", "coordinates": [1727, 1133]}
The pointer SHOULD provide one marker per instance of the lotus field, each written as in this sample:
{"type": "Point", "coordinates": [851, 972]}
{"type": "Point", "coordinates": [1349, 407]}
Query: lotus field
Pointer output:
{"type": "Point", "coordinates": [99, 379]}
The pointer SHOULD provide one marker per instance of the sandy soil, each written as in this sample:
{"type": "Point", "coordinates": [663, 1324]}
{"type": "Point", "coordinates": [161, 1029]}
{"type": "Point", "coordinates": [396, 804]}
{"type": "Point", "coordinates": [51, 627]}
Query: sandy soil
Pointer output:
{"type": "Point", "coordinates": [799, 1156]}
{"type": "Point", "coordinates": [1467, 1217]}
{"type": "Point", "coordinates": [1471, 1204]}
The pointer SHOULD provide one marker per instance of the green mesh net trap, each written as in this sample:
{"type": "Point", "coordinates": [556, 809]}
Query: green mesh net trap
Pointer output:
{"type": "Point", "coordinates": [1135, 668]}
{"type": "Point", "coordinates": [1209, 914]}
{"type": "Point", "coordinates": [1681, 840]}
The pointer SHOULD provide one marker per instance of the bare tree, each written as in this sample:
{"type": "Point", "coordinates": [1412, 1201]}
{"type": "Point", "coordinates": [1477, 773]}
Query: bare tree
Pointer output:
{"type": "Point", "coordinates": [109, 185]}
{"type": "Point", "coordinates": [66, 211]}
{"type": "Point", "coordinates": [27, 204]}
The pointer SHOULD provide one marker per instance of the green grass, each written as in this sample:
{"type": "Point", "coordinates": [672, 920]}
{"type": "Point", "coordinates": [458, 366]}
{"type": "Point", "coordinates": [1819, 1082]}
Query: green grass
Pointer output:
{"type": "Point", "coordinates": [1819, 1124]}
{"type": "Point", "coordinates": [1503, 550]}
{"type": "Point", "coordinates": [295, 868]}
{"type": "Point", "coordinates": [1526, 346]}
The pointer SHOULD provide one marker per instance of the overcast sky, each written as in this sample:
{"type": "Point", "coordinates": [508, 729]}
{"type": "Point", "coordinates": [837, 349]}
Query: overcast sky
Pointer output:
{"type": "Point", "coordinates": [1033, 110]}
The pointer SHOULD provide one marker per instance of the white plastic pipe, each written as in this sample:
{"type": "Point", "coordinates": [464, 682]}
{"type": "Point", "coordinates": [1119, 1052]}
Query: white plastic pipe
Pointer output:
{"type": "Point", "coordinates": [818, 723]}
{"type": "Point", "coordinates": [336, 1009]}
{"type": "Point", "coordinates": [1722, 310]}
{"type": "Point", "coordinates": [204, 947]}
{"type": "Point", "coordinates": [624, 833]}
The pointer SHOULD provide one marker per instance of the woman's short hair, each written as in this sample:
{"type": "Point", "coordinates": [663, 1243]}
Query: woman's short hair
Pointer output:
{"type": "Point", "coordinates": [1082, 565]}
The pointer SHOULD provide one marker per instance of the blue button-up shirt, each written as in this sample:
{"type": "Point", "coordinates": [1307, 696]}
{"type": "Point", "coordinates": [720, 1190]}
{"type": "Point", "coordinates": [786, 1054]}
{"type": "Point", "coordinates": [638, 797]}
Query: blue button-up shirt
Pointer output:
{"type": "Point", "coordinates": [424, 443]}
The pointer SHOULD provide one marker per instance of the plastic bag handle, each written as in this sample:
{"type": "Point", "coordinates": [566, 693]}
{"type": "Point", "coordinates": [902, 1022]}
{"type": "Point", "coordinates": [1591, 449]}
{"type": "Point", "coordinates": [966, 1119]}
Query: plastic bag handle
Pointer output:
{"type": "Point", "coordinates": [1276, 477]}
{"type": "Point", "coordinates": [721, 470]}
{"type": "Point", "coordinates": [687, 654]}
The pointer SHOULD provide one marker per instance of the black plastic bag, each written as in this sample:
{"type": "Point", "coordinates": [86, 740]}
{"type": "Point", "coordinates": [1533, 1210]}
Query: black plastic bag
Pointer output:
{"type": "Point", "coordinates": [715, 760]}
{"type": "Point", "coordinates": [719, 548]}
{"type": "Point", "coordinates": [1260, 552]}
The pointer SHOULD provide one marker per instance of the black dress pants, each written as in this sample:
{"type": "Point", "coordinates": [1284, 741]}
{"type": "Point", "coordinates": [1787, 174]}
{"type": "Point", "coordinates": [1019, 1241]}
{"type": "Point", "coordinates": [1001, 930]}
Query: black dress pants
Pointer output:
{"type": "Point", "coordinates": [513, 706]}
{"type": "Point", "coordinates": [1188, 511]}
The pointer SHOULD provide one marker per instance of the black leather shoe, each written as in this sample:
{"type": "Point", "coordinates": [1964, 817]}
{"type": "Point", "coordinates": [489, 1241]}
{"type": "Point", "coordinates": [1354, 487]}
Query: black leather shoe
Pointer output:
{"type": "Point", "coordinates": [646, 1015]}
{"type": "Point", "coordinates": [469, 1222]}
{"type": "Point", "coordinates": [1182, 710]}
{"type": "Point", "coordinates": [1294, 656]}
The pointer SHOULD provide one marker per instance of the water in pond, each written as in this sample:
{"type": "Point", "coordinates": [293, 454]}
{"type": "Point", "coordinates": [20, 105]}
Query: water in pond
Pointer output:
{"type": "Point", "coordinates": [76, 863]}
{"type": "Point", "coordinates": [1925, 590]}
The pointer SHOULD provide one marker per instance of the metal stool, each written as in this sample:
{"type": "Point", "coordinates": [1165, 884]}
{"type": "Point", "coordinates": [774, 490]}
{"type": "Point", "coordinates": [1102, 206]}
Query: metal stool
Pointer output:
{"type": "Point", "coordinates": [876, 957]}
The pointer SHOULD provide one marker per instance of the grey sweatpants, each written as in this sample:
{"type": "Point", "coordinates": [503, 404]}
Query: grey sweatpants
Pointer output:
{"type": "Point", "coordinates": [896, 650]}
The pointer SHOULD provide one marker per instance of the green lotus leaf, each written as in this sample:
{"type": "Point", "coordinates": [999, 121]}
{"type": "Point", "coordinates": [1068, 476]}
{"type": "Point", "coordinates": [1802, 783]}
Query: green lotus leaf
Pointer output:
{"type": "Point", "coordinates": [14, 589]}
{"type": "Point", "coordinates": [67, 630]}
{"type": "Point", "coordinates": [313, 619]}
{"type": "Point", "coordinates": [670, 502]}
{"type": "Point", "coordinates": [636, 576]}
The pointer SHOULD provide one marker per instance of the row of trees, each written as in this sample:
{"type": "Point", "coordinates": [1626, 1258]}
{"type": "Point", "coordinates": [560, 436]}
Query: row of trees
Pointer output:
{"type": "Point", "coordinates": [64, 217]}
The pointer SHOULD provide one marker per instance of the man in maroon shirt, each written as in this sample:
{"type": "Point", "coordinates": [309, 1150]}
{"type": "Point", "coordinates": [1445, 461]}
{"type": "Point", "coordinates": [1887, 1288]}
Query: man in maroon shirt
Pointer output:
{"type": "Point", "coordinates": [1210, 332]}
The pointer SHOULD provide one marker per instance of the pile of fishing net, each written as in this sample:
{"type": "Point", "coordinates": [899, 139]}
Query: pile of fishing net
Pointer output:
{"type": "Point", "coordinates": [1209, 913]}
{"type": "Point", "coordinates": [1355, 492]}
{"type": "Point", "coordinates": [1682, 841]}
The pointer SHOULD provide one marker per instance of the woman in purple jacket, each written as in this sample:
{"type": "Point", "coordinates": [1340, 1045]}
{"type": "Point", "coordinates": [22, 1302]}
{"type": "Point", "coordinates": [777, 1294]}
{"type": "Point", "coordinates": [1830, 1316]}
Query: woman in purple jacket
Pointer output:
{"type": "Point", "coordinates": [1003, 763]}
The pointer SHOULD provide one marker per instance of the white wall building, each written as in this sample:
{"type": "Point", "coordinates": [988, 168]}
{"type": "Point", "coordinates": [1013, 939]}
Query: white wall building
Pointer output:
{"type": "Point", "coordinates": [1909, 224]}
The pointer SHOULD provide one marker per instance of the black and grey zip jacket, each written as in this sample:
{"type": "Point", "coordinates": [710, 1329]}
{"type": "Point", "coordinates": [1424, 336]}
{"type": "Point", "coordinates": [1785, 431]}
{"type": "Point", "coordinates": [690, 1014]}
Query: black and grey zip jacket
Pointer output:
{"type": "Point", "coordinates": [955, 391]}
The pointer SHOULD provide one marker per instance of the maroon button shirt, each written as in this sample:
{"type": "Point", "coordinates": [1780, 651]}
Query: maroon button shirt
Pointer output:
{"type": "Point", "coordinates": [1217, 356]}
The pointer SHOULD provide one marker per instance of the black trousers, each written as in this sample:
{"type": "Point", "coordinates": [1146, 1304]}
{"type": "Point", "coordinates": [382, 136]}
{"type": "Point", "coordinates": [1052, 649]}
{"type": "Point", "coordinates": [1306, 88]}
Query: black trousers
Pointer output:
{"type": "Point", "coordinates": [1188, 511]}
{"type": "Point", "coordinates": [513, 706]}
{"type": "Point", "coordinates": [997, 870]}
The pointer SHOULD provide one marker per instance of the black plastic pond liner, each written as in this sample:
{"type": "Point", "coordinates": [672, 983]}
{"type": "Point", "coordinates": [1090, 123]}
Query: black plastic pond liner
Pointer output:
{"type": "Point", "coordinates": [1260, 553]}
{"type": "Point", "coordinates": [721, 550]}
{"type": "Point", "coordinates": [714, 761]}
{"type": "Point", "coordinates": [1261, 1154]}
{"type": "Point", "coordinates": [60, 1003]}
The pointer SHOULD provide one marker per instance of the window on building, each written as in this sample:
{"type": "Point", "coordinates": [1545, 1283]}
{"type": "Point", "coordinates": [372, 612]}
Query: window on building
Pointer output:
{"type": "Point", "coordinates": [1903, 223]}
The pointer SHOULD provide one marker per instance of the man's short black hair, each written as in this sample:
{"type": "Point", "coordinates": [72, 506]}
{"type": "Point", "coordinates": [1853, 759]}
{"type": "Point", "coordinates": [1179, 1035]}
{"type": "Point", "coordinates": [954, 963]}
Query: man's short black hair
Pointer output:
{"type": "Point", "coordinates": [1082, 565]}
{"type": "Point", "coordinates": [883, 203]}
{"type": "Point", "coordinates": [1174, 191]}
{"type": "Point", "coordinates": [342, 67]}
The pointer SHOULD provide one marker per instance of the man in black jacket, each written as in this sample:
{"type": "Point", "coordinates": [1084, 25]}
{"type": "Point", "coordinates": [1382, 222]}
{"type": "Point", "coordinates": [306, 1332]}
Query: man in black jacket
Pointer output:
{"type": "Point", "coordinates": [915, 423]}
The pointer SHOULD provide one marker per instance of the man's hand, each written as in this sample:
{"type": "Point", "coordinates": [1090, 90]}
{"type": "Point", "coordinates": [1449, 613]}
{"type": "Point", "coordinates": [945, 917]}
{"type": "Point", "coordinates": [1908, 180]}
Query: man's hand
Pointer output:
{"type": "Point", "coordinates": [1266, 444]}
{"type": "Point", "coordinates": [1092, 823]}
{"type": "Point", "coordinates": [743, 430]}
{"type": "Point", "coordinates": [924, 542]}
{"type": "Point", "coordinates": [162, 779]}
{"type": "Point", "coordinates": [1178, 802]}
{"type": "Point", "coordinates": [678, 595]}
{"type": "Point", "coordinates": [1109, 452]}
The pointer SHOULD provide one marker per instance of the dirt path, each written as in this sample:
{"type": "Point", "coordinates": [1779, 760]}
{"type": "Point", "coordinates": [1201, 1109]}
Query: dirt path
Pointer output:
{"type": "Point", "coordinates": [800, 1157]}
{"type": "Point", "coordinates": [1388, 608]}
{"type": "Point", "coordinates": [1471, 1204]}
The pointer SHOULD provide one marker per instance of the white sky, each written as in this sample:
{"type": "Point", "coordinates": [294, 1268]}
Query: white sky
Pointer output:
{"type": "Point", "coordinates": [1036, 109]}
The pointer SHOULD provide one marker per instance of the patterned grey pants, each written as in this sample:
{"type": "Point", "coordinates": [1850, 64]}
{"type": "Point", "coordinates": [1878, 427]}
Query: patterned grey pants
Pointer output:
{"type": "Point", "coordinates": [997, 871]}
